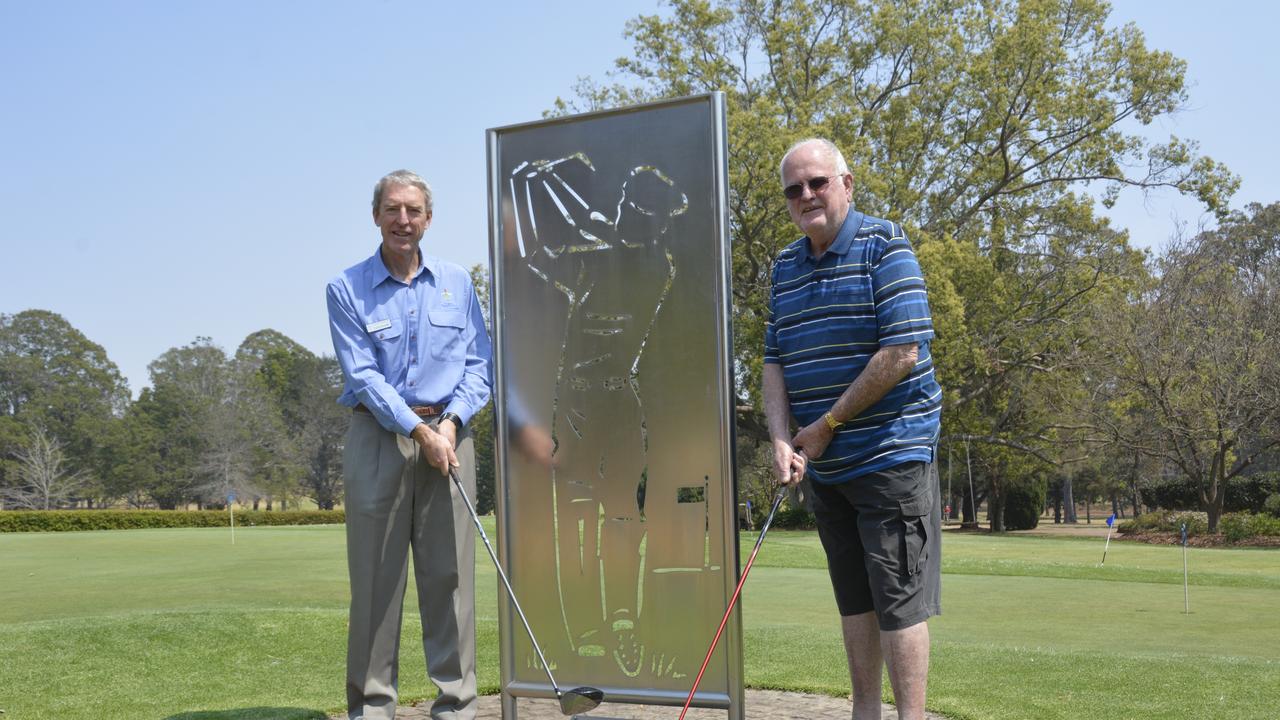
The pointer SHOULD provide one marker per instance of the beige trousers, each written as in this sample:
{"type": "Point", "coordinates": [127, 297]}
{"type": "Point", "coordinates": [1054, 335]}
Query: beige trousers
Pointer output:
{"type": "Point", "coordinates": [395, 502]}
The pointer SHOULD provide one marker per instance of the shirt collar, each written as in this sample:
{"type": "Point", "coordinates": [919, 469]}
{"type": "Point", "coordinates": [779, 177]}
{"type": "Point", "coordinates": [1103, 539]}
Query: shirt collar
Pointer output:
{"type": "Point", "coordinates": [378, 272]}
{"type": "Point", "coordinates": [844, 238]}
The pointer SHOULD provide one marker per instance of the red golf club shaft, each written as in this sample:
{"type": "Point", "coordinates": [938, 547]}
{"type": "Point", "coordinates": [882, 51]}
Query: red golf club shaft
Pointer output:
{"type": "Point", "coordinates": [777, 500]}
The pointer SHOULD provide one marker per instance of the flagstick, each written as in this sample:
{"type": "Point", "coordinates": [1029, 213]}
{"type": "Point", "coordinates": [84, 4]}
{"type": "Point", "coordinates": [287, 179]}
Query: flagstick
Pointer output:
{"type": "Point", "coordinates": [233, 523]}
{"type": "Point", "coordinates": [1111, 524]}
{"type": "Point", "coordinates": [1186, 598]}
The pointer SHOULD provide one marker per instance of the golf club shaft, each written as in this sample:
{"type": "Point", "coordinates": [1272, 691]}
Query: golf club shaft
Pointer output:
{"type": "Point", "coordinates": [777, 501]}
{"type": "Point", "coordinates": [506, 583]}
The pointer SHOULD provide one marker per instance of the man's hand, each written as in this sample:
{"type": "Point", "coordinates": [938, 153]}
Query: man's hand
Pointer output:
{"type": "Point", "coordinates": [788, 464]}
{"type": "Point", "coordinates": [437, 445]}
{"type": "Point", "coordinates": [813, 439]}
{"type": "Point", "coordinates": [535, 444]}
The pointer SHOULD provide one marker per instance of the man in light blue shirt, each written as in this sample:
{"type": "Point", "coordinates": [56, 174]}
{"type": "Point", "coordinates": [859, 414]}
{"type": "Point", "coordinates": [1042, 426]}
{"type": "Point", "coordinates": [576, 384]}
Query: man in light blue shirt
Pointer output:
{"type": "Point", "coordinates": [409, 334]}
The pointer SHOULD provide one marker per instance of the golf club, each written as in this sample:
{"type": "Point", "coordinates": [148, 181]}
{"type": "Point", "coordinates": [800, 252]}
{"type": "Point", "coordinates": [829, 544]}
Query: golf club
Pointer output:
{"type": "Point", "coordinates": [577, 700]}
{"type": "Point", "coordinates": [777, 501]}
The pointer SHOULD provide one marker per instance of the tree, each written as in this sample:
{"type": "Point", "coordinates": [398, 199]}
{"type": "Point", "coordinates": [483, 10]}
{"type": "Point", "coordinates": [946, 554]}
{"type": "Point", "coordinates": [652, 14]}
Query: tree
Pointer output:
{"type": "Point", "coordinates": [264, 368]}
{"type": "Point", "coordinates": [54, 378]}
{"type": "Point", "coordinates": [304, 390]}
{"type": "Point", "coordinates": [1197, 353]}
{"type": "Point", "coordinates": [979, 124]}
{"type": "Point", "coordinates": [44, 480]}
{"type": "Point", "coordinates": [191, 438]}
{"type": "Point", "coordinates": [322, 424]}
{"type": "Point", "coordinates": [483, 422]}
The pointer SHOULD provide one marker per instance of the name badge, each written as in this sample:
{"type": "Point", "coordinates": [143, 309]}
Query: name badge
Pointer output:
{"type": "Point", "coordinates": [380, 325]}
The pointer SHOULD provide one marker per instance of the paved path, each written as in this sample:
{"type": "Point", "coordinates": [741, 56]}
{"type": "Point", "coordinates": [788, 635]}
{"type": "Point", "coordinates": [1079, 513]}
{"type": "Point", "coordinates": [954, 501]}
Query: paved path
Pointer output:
{"type": "Point", "coordinates": [761, 705]}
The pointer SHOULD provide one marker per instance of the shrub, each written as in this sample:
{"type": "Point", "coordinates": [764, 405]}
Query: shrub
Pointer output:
{"type": "Point", "coordinates": [73, 520]}
{"type": "Point", "coordinates": [1248, 493]}
{"type": "Point", "coordinates": [1023, 503]}
{"type": "Point", "coordinates": [1174, 493]}
{"type": "Point", "coordinates": [1261, 525]}
{"type": "Point", "coordinates": [791, 518]}
{"type": "Point", "coordinates": [1167, 521]}
{"type": "Point", "coordinates": [1272, 505]}
{"type": "Point", "coordinates": [1236, 527]}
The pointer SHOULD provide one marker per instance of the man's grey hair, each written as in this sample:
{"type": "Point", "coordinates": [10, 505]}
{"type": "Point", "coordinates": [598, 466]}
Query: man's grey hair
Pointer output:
{"type": "Point", "coordinates": [828, 147]}
{"type": "Point", "coordinates": [400, 177]}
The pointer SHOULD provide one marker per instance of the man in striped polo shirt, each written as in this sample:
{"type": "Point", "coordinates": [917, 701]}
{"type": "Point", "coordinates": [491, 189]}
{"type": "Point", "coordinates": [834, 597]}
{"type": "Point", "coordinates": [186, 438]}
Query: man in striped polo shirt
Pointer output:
{"type": "Point", "coordinates": [847, 356]}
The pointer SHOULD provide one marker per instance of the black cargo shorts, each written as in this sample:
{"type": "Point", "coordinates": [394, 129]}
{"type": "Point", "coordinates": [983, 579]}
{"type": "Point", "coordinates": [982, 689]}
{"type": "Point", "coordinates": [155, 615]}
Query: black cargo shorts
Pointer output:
{"type": "Point", "coordinates": [883, 536]}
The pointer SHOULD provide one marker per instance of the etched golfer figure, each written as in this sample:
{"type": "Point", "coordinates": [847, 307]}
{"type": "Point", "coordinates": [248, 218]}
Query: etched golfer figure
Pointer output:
{"type": "Point", "coordinates": [598, 414]}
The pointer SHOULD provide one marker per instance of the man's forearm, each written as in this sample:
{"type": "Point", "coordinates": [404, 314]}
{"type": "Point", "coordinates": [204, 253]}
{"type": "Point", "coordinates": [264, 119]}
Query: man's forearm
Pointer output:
{"type": "Point", "coordinates": [777, 409]}
{"type": "Point", "coordinates": [883, 372]}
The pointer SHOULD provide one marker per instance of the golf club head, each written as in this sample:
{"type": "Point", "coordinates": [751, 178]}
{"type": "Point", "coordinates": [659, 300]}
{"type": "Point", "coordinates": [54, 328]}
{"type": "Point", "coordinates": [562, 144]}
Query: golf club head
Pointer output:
{"type": "Point", "coordinates": [580, 700]}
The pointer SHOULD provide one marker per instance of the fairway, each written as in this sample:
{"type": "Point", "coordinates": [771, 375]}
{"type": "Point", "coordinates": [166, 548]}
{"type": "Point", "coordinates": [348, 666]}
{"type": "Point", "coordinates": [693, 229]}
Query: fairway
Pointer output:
{"type": "Point", "coordinates": [181, 624]}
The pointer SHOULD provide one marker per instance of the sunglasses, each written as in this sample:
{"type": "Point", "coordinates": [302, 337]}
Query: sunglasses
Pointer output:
{"type": "Point", "coordinates": [792, 192]}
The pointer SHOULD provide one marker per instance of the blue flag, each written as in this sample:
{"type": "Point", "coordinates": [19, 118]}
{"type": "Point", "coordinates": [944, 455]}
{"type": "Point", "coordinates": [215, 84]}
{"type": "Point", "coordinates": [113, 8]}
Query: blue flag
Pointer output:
{"type": "Point", "coordinates": [1111, 519]}
{"type": "Point", "coordinates": [231, 497]}
{"type": "Point", "coordinates": [1184, 534]}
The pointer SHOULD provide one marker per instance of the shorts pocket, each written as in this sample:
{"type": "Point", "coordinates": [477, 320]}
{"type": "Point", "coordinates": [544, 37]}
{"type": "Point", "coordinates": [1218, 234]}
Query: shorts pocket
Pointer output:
{"type": "Point", "coordinates": [915, 530]}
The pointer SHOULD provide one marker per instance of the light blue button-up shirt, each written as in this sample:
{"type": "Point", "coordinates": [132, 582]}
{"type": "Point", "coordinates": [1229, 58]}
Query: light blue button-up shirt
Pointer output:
{"type": "Point", "coordinates": [416, 343]}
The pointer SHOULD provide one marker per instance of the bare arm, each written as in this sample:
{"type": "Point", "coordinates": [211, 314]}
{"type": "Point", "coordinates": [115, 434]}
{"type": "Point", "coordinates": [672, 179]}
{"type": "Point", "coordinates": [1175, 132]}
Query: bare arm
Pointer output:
{"type": "Point", "coordinates": [885, 370]}
{"type": "Point", "coordinates": [788, 466]}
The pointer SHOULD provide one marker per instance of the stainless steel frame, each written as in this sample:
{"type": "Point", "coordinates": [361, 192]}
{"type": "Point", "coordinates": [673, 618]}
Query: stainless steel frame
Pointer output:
{"type": "Point", "coordinates": [612, 344]}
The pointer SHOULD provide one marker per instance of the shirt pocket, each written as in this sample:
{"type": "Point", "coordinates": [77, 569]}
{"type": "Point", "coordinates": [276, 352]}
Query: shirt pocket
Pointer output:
{"type": "Point", "coordinates": [387, 346]}
{"type": "Point", "coordinates": [447, 328]}
{"type": "Point", "coordinates": [386, 334]}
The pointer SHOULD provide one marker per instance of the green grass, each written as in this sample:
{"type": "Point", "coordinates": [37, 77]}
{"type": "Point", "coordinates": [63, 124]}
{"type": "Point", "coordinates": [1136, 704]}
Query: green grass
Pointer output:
{"type": "Point", "coordinates": [181, 625]}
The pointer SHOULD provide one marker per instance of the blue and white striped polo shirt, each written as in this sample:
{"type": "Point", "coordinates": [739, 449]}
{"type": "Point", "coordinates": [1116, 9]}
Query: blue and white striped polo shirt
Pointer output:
{"type": "Point", "coordinates": [828, 317]}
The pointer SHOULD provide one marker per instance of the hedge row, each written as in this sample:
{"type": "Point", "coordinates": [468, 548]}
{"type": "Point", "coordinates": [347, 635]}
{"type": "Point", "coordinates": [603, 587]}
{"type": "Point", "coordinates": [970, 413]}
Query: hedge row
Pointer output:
{"type": "Point", "coordinates": [70, 520]}
{"type": "Point", "coordinates": [1248, 493]}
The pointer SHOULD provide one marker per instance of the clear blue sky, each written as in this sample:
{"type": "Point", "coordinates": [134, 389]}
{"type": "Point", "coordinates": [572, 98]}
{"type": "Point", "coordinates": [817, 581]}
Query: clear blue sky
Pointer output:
{"type": "Point", "coordinates": [170, 170]}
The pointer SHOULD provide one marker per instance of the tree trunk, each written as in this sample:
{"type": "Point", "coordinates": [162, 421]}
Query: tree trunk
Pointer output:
{"type": "Point", "coordinates": [1068, 501]}
{"type": "Point", "coordinates": [969, 510]}
{"type": "Point", "coordinates": [1213, 505]}
{"type": "Point", "coordinates": [1212, 497]}
{"type": "Point", "coordinates": [995, 505]}
{"type": "Point", "coordinates": [1136, 495]}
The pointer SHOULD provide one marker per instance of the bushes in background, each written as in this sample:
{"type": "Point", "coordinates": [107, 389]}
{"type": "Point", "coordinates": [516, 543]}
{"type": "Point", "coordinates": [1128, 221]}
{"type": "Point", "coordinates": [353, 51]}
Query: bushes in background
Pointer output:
{"type": "Point", "coordinates": [1167, 521]}
{"type": "Point", "coordinates": [1234, 527]}
{"type": "Point", "coordinates": [1248, 493]}
{"type": "Point", "coordinates": [1023, 503]}
{"type": "Point", "coordinates": [1242, 526]}
{"type": "Point", "coordinates": [72, 520]}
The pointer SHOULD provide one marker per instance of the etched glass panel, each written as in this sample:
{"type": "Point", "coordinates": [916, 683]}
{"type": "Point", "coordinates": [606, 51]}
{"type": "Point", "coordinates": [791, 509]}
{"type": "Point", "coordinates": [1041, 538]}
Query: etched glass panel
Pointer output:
{"type": "Point", "coordinates": [612, 337]}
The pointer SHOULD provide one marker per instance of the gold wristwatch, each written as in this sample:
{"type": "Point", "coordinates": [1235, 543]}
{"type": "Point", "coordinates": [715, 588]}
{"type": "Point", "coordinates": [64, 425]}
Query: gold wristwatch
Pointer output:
{"type": "Point", "coordinates": [832, 423]}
